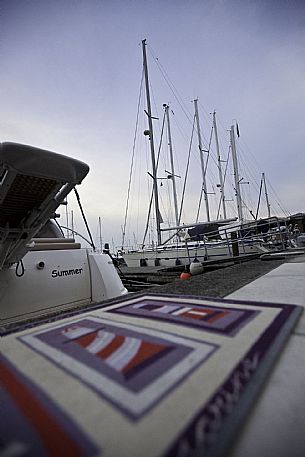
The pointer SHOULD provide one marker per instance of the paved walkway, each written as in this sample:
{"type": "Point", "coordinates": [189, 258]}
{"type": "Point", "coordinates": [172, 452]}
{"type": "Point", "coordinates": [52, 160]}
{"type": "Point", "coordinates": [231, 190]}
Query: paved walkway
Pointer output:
{"type": "Point", "coordinates": [276, 426]}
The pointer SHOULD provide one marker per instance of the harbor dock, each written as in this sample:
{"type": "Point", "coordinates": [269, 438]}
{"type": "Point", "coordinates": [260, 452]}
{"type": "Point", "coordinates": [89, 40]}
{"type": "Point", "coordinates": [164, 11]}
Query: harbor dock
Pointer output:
{"type": "Point", "coordinates": [274, 422]}
{"type": "Point", "coordinates": [275, 425]}
{"type": "Point", "coordinates": [218, 276]}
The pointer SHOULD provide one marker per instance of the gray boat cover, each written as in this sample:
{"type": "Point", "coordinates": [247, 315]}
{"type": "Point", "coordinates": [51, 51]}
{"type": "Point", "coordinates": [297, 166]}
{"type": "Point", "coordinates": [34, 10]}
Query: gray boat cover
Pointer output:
{"type": "Point", "coordinates": [31, 161]}
{"type": "Point", "coordinates": [33, 183]}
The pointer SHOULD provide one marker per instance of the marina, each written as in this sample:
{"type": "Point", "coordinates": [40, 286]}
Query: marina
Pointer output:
{"type": "Point", "coordinates": [190, 340]}
{"type": "Point", "coordinates": [106, 335]}
{"type": "Point", "coordinates": [152, 229]}
{"type": "Point", "coordinates": [174, 243]}
{"type": "Point", "coordinates": [279, 398]}
{"type": "Point", "coordinates": [138, 278]}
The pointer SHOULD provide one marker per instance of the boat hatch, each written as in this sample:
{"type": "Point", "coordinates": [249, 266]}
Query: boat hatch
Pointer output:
{"type": "Point", "coordinates": [33, 183]}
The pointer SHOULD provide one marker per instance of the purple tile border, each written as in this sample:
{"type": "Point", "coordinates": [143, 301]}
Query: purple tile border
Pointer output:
{"type": "Point", "coordinates": [35, 424]}
{"type": "Point", "coordinates": [216, 319]}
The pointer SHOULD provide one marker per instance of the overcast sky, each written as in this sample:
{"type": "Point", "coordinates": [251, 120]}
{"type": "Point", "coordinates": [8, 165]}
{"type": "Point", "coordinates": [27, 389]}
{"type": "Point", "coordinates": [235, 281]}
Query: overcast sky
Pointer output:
{"type": "Point", "coordinates": [70, 79]}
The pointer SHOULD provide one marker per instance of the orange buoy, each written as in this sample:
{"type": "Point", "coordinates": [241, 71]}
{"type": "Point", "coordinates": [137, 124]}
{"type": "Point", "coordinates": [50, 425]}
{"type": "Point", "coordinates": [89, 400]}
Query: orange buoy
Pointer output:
{"type": "Point", "coordinates": [185, 275]}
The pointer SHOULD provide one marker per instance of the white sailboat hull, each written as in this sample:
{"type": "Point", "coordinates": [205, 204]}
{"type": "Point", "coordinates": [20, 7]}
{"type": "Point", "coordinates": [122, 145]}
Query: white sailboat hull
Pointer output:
{"type": "Point", "coordinates": [57, 280]}
{"type": "Point", "coordinates": [170, 257]}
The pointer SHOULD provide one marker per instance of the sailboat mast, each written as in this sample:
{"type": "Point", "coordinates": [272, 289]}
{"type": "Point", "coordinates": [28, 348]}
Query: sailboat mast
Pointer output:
{"type": "Point", "coordinates": [236, 175]}
{"type": "Point", "coordinates": [173, 177]}
{"type": "Point", "coordinates": [202, 161]}
{"type": "Point", "coordinates": [151, 138]}
{"type": "Point", "coordinates": [100, 233]}
{"type": "Point", "coordinates": [222, 192]}
{"type": "Point", "coordinates": [266, 195]}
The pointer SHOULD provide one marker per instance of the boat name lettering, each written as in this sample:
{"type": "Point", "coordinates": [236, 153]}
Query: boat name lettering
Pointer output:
{"type": "Point", "coordinates": [74, 271]}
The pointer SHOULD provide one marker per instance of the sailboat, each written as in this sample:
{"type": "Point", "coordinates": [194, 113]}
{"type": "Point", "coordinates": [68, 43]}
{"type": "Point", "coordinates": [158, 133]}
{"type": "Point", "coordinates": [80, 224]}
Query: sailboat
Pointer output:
{"type": "Point", "coordinates": [41, 270]}
{"type": "Point", "coordinates": [210, 245]}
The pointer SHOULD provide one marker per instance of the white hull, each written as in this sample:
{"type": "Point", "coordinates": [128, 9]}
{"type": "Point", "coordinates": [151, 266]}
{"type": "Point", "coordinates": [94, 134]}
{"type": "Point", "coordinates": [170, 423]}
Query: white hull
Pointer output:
{"type": "Point", "coordinates": [170, 257]}
{"type": "Point", "coordinates": [47, 273]}
{"type": "Point", "coordinates": [57, 280]}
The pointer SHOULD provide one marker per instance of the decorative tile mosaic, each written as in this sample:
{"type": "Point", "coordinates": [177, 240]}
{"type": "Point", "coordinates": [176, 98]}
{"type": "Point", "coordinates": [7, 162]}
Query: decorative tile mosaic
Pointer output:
{"type": "Point", "coordinates": [130, 368]}
{"type": "Point", "coordinates": [152, 375]}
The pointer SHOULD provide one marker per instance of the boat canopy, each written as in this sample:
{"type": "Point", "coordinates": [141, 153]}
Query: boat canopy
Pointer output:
{"type": "Point", "coordinates": [33, 183]}
{"type": "Point", "coordinates": [31, 161]}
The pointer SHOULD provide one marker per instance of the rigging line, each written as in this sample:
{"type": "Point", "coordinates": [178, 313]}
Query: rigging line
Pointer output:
{"type": "Point", "coordinates": [57, 223]}
{"type": "Point", "coordinates": [223, 127]}
{"type": "Point", "coordinates": [220, 135]}
{"type": "Point", "coordinates": [245, 204]}
{"type": "Point", "coordinates": [247, 171]}
{"type": "Point", "coordinates": [199, 204]}
{"type": "Point", "coordinates": [132, 159]}
{"type": "Point", "coordinates": [182, 145]}
{"type": "Point", "coordinates": [242, 159]}
{"type": "Point", "coordinates": [259, 199]}
{"type": "Point", "coordinates": [205, 171]}
{"type": "Point", "coordinates": [247, 207]}
{"type": "Point", "coordinates": [258, 188]}
{"type": "Point", "coordinates": [244, 145]}
{"type": "Point", "coordinates": [226, 169]}
{"type": "Point", "coordinates": [84, 218]}
{"type": "Point", "coordinates": [202, 134]}
{"type": "Point", "coordinates": [246, 168]}
{"type": "Point", "coordinates": [278, 200]}
{"type": "Point", "coordinates": [209, 150]}
{"type": "Point", "coordinates": [180, 128]}
{"type": "Point", "coordinates": [211, 153]}
{"type": "Point", "coordinates": [74, 232]}
{"type": "Point", "coordinates": [235, 192]}
{"type": "Point", "coordinates": [169, 210]}
{"type": "Point", "coordinates": [171, 86]}
{"type": "Point", "coordinates": [285, 211]}
{"type": "Point", "coordinates": [152, 192]}
{"type": "Point", "coordinates": [275, 194]}
{"type": "Point", "coordinates": [186, 171]}
{"type": "Point", "coordinates": [224, 180]}
{"type": "Point", "coordinates": [218, 211]}
{"type": "Point", "coordinates": [155, 105]}
{"type": "Point", "coordinates": [206, 116]}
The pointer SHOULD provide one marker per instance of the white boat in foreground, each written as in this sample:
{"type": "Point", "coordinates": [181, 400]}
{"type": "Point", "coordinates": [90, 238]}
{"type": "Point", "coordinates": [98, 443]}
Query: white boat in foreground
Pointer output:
{"type": "Point", "coordinates": [40, 270]}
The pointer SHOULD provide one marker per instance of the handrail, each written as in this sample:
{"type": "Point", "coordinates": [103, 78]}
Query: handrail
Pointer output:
{"type": "Point", "coordinates": [275, 235]}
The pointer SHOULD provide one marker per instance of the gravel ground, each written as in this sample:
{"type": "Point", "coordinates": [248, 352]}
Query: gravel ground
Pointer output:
{"type": "Point", "coordinates": [219, 283]}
